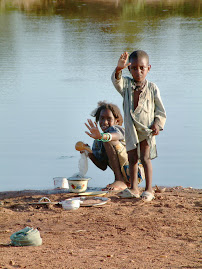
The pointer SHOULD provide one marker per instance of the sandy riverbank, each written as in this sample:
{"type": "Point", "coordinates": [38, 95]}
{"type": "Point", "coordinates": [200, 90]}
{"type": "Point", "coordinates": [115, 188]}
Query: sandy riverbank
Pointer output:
{"type": "Point", "coordinates": [123, 233]}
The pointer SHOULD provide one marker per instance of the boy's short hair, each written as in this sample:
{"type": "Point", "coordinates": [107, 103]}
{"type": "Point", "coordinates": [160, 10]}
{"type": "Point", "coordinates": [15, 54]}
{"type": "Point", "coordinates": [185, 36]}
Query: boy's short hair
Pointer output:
{"type": "Point", "coordinates": [114, 109]}
{"type": "Point", "coordinates": [138, 54]}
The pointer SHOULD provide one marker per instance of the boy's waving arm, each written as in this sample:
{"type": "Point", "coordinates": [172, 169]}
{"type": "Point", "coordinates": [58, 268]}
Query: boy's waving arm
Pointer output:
{"type": "Point", "coordinates": [122, 64]}
{"type": "Point", "coordinates": [116, 77]}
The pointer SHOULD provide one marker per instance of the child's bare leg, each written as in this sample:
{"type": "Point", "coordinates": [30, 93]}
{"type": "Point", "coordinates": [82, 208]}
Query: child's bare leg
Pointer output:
{"type": "Point", "coordinates": [133, 168]}
{"type": "Point", "coordinates": [119, 183]}
{"type": "Point", "coordinates": [146, 162]}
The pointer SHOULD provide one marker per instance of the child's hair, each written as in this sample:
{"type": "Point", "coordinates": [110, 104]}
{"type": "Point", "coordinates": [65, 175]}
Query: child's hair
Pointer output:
{"type": "Point", "coordinates": [114, 109]}
{"type": "Point", "coordinates": [138, 54]}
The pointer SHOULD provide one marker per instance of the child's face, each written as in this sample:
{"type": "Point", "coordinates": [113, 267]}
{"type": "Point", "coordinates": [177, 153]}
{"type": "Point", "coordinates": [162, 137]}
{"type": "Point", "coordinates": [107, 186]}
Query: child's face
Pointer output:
{"type": "Point", "coordinates": [106, 119]}
{"type": "Point", "coordinates": [139, 69]}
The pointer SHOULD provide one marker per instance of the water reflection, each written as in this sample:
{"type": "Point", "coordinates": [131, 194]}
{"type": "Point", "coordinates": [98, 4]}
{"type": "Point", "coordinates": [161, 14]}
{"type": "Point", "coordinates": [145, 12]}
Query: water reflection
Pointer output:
{"type": "Point", "coordinates": [115, 9]}
{"type": "Point", "coordinates": [56, 62]}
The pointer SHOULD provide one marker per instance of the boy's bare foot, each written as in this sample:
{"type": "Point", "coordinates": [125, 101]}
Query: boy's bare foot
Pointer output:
{"type": "Point", "coordinates": [116, 186]}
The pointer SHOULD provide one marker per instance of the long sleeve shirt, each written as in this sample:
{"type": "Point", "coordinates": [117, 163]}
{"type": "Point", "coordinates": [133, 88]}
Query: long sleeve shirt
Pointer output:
{"type": "Point", "coordinates": [139, 120]}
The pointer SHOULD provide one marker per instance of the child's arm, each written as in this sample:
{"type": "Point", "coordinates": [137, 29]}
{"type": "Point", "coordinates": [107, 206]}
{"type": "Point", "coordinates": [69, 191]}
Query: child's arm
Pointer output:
{"type": "Point", "coordinates": [101, 165]}
{"type": "Point", "coordinates": [122, 64]}
{"type": "Point", "coordinates": [120, 83]}
{"type": "Point", "coordinates": [95, 133]}
{"type": "Point", "coordinates": [155, 127]}
{"type": "Point", "coordinates": [159, 113]}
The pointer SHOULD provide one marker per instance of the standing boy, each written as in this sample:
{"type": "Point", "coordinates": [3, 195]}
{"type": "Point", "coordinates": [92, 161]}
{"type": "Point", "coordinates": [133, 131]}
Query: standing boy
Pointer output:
{"type": "Point", "coordinates": [144, 117]}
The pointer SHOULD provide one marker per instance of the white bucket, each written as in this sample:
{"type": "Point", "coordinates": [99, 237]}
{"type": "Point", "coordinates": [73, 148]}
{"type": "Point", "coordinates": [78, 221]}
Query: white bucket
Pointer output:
{"type": "Point", "coordinates": [61, 183]}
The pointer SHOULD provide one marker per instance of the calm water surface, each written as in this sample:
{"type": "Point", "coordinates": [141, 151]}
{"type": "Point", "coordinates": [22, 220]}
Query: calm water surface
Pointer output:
{"type": "Point", "coordinates": [56, 59]}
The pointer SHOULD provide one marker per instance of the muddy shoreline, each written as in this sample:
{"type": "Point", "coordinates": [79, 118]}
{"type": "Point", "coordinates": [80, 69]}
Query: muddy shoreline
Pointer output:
{"type": "Point", "coordinates": [123, 233]}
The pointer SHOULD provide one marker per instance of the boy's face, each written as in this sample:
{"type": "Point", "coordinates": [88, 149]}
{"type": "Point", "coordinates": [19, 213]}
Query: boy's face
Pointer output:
{"type": "Point", "coordinates": [139, 68]}
{"type": "Point", "coordinates": [106, 119]}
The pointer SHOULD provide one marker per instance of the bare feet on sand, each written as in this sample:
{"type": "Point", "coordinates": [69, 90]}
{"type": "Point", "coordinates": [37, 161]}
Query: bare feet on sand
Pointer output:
{"type": "Point", "coordinates": [116, 186]}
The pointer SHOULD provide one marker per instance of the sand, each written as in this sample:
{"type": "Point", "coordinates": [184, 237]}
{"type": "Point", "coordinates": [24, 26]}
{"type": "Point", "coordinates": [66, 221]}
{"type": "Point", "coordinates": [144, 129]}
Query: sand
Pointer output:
{"type": "Point", "coordinates": [123, 233]}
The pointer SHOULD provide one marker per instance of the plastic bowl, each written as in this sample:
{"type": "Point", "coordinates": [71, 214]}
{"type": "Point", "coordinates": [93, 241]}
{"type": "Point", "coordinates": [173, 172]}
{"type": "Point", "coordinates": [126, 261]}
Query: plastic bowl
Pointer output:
{"type": "Point", "coordinates": [71, 204]}
{"type": "Point", "coordinates": [77, 184]}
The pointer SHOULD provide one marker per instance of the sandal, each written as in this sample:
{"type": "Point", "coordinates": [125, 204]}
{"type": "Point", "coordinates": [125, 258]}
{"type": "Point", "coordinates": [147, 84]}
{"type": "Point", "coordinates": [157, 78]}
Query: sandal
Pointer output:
{"type": "Point", "coordinates": [147, 196]}
{"type": "Point", "coordinates": [128, 194]}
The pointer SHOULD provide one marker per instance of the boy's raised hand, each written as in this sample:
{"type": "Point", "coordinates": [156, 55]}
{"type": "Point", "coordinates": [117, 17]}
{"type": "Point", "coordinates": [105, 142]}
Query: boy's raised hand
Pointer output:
{"type": "Point", "coordinates": [122, 62]}
{"type": "Point", "coordinates": [94, 131]}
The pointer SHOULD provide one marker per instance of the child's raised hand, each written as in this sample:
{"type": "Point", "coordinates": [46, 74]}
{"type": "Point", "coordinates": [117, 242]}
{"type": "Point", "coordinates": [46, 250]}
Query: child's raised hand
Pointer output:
{"type": "Point", "coordinates": [94, 131]}
{"type": "Point", "coordinates": [122, 62]}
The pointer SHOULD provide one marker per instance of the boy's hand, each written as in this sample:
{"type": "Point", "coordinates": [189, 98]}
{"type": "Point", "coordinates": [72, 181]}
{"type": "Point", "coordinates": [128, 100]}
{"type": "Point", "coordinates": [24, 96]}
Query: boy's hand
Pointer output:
{"type": "Point", "coordinates": [155, 128]}
{"type": "Point", "coordinates": [94, 131]}
{"type": "Point", "coordinates": [122, 62]}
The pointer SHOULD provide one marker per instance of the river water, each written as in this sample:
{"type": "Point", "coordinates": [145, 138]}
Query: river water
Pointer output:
{"type": "Point", "coordinates": [56, 60]}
